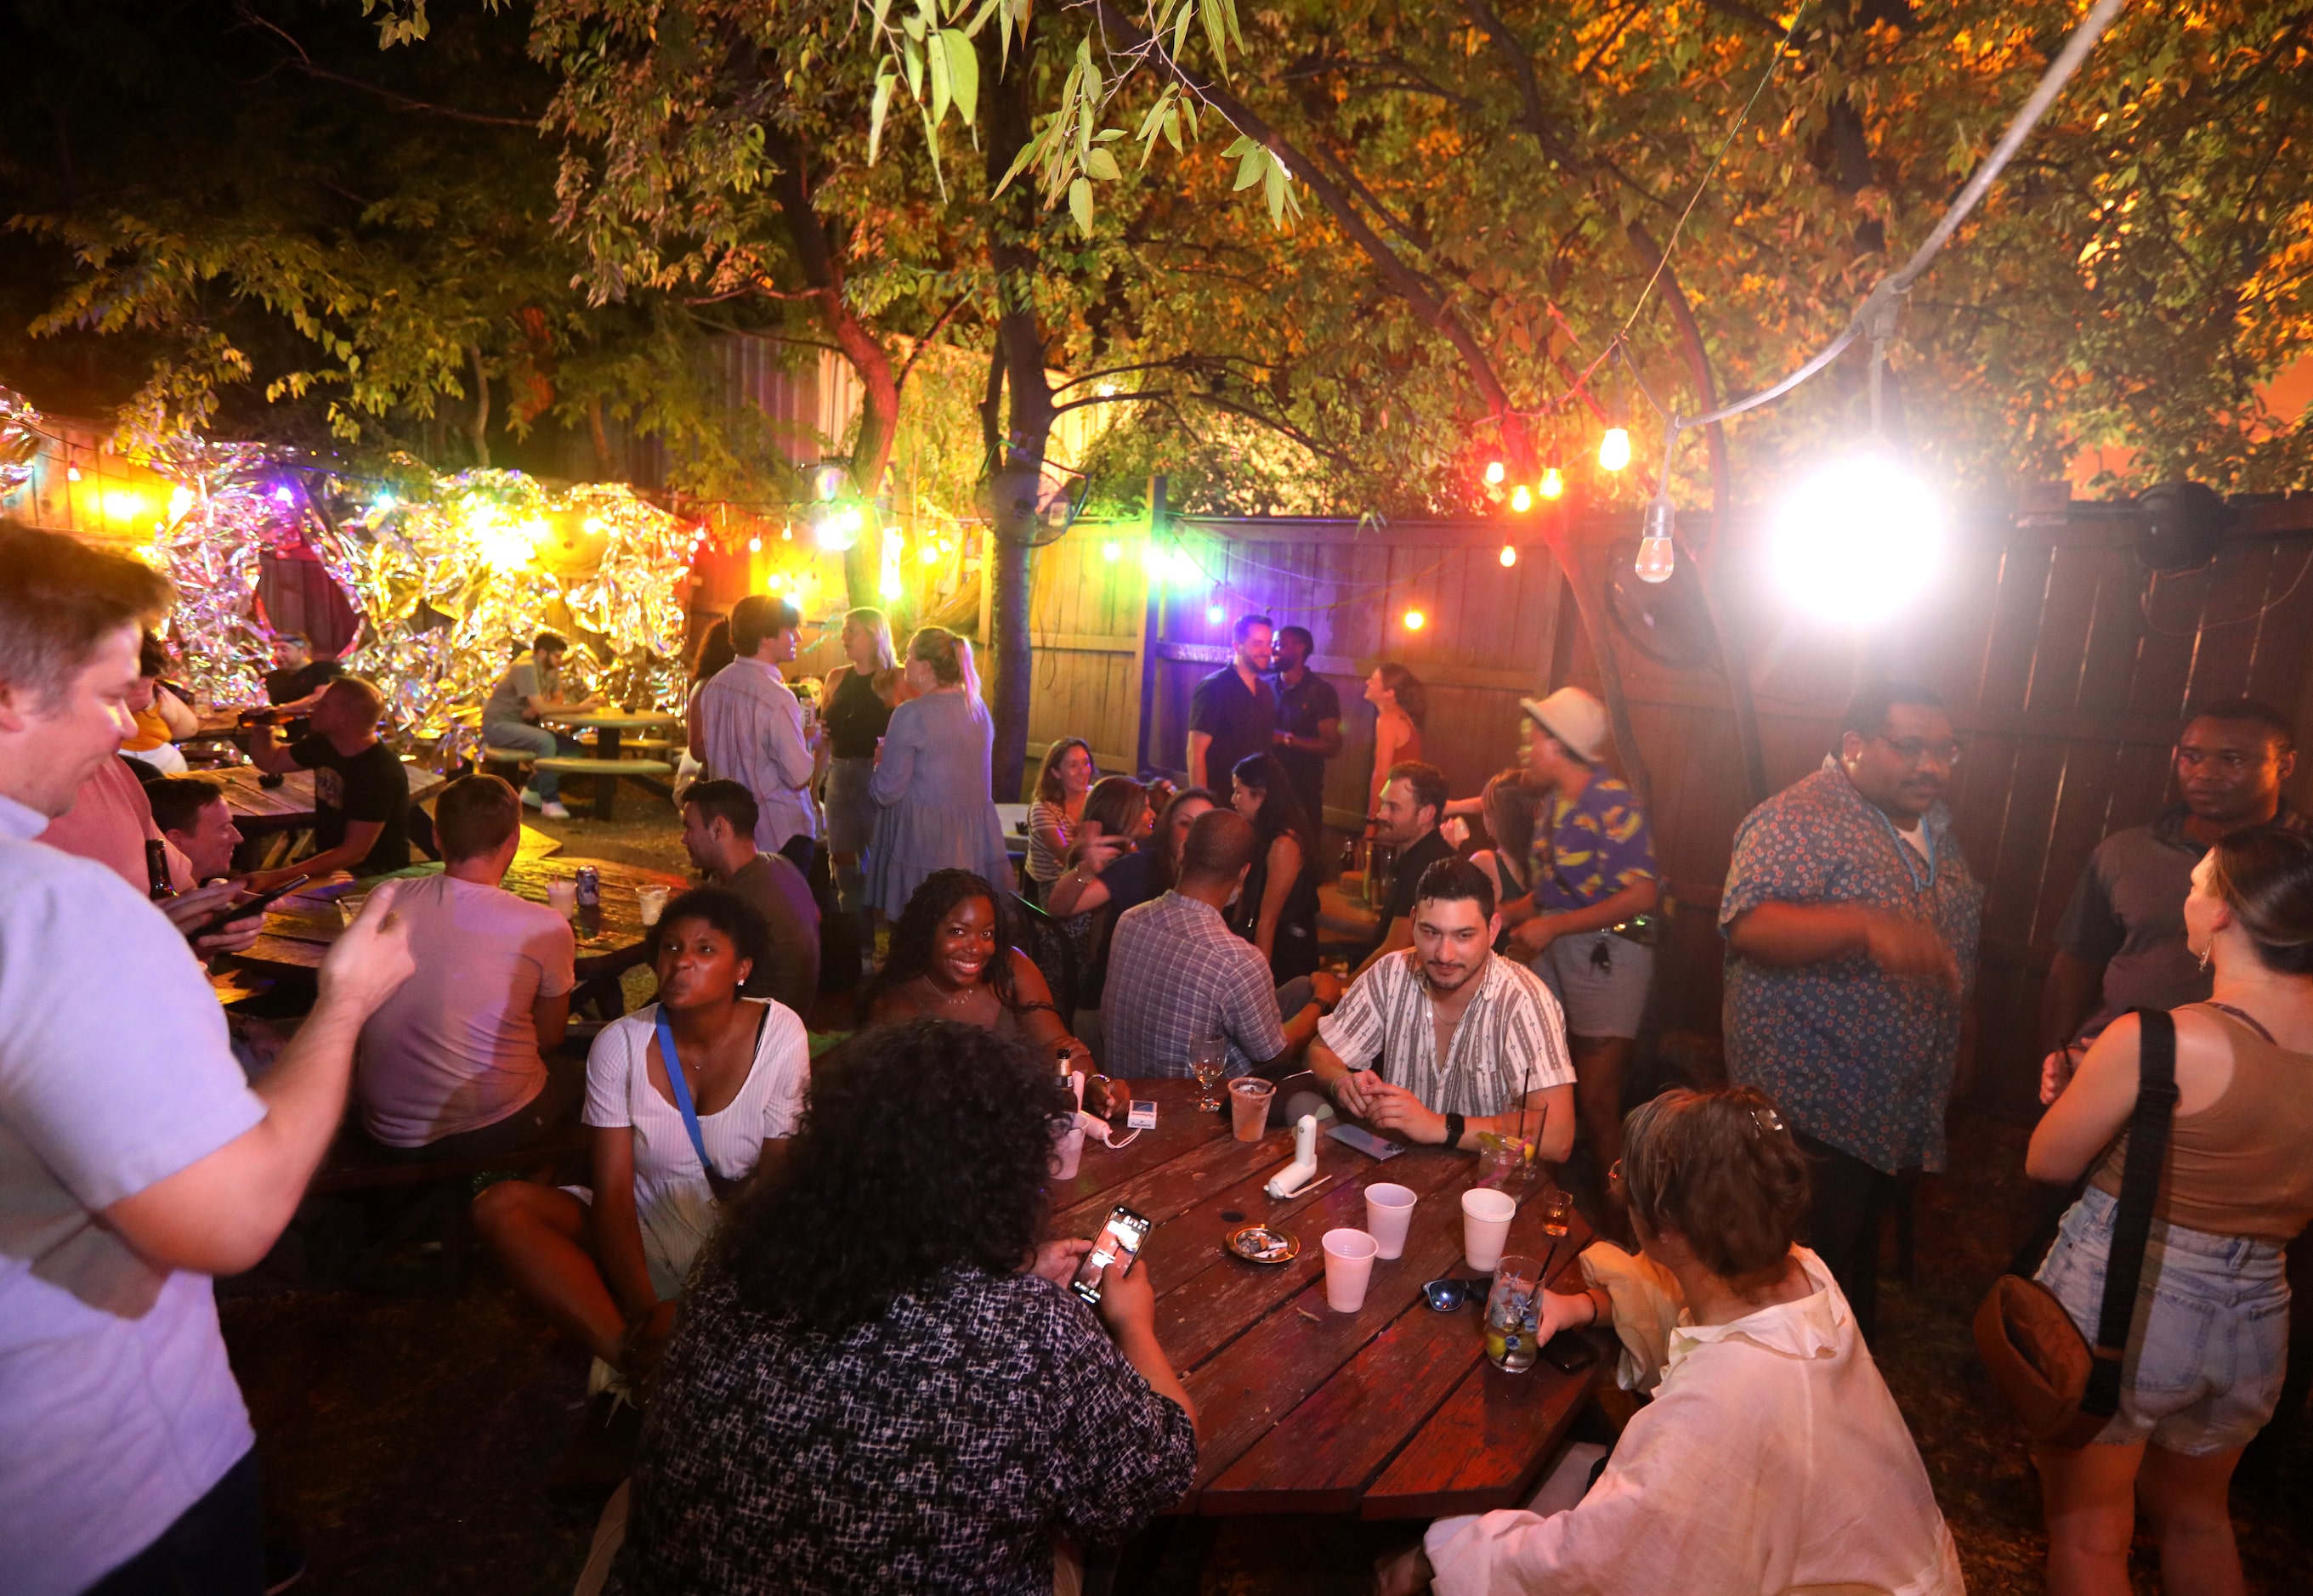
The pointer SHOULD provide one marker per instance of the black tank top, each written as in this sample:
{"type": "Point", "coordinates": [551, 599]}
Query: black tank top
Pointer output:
{"type": "Point", "coordinates": [856, 717]}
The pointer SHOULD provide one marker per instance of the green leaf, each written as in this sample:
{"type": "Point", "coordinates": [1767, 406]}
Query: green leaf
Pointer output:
{"type": "Point", "coordinates": [915, 27]}
{"type": "Point", "coordinates": [1181, 30]}
{"type": "Point", "coordinates": [963, 72]}
{"type": "Point", "coordinates": [979, 18]}
{"type": "Point", "coordinates": [1020, 164]}
{"type": "Point", "coordinates": [1277, 193]}
{"type": "Point", "coordinates": [1249, 170]}
{"type": "Point", "coordinates": [938, 51]}
{"type": "Point", "coordinates": [882, 7]}
{"type": "Point", "coordinates": [1103, 165]}
{"type": "Point", "coordinates": [1080, 204]}
{"type": "Point", "coordinates": [1172, 132]}
{"type": "Point", "coordinates": [1216, 32]}
{"type": "Point", "coordinates": [912, 59]}
{"type": "Point", "coordinates": [886, 82]}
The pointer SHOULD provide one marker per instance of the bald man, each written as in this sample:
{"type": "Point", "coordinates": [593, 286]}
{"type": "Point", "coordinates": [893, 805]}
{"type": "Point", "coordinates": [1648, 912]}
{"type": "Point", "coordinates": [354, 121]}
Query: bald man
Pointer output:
{"type": "Point", "coordinates": [361, 793]}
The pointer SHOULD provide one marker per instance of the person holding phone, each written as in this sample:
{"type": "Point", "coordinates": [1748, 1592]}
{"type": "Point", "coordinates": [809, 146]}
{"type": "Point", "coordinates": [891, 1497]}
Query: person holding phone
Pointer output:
{"type": "Point", "coordinates": [880, 1376]}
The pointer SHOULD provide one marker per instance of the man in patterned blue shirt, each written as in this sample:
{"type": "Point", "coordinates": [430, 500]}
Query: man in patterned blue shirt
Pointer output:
{"type": "Point", "coordinates": [1850, 921]}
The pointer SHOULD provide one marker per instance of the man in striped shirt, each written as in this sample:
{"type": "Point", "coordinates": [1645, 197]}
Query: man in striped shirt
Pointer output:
{"type": "Point", "coordinates": [1466, 1042]}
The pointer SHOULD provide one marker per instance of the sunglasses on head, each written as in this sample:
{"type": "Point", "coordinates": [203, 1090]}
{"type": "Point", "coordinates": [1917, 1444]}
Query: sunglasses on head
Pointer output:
{"type": "Point", "coordinates": [1444, 1296]}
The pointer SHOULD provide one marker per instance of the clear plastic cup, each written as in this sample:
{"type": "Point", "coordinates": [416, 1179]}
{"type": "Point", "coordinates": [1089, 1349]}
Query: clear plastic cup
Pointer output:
{"type": "Point", "coordinates": [1249, 1101]}
{"type": "Point", "coordinates": [1514, 1314]}
{"type": "Point", "coordinates": [1349, 1265]}
{"type": "Point", "coordinates": [651, 901]}
{"type": "Point", "coordinates": [562, 898]}
{"type": "Point", "coordinates": [1389, 1209]}
{"type": "Point", "coordinates": [1486, 1215]}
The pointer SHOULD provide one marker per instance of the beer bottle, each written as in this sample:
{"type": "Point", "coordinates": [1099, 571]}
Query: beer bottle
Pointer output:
{"type": "Point", "coordinates": [156, 870]}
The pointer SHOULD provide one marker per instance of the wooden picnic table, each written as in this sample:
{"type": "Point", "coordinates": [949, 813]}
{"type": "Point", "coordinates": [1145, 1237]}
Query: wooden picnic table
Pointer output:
{"type": "Point", "coordinates": [289, 807]}
{"type": "Point", "coordinates": [1390, 1412]}
{"type": "Point", "coordinates": [299, 928]}
{"type": "Point", "coordinates": [610, 727]}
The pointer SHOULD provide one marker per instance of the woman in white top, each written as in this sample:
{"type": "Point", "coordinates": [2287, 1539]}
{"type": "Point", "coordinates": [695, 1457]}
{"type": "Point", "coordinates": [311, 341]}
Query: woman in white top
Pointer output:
{"type": "Point", "coordinates": [607, 1264]}
{"type": "Point", "coordinates": [1772, 1458]}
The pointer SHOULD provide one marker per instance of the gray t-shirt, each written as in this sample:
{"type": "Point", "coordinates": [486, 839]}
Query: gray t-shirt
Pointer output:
{"type": "Point", "coordinates": [117, 1408]}
{"type": "Point", "coordinates": [777, 890]}
{"type": "Point", "coordinates": [510, 699]}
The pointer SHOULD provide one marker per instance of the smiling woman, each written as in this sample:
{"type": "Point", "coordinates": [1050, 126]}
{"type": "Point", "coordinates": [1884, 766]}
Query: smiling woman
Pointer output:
{"type": "Point", "coordinates": [953, 958]}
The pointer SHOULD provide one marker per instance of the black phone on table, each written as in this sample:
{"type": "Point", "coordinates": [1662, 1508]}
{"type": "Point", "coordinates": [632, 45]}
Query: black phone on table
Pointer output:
{"type": "Point", "coordinates": [1569, 1351]}
{"type": "Point", "coordinates": [1120, 1240]}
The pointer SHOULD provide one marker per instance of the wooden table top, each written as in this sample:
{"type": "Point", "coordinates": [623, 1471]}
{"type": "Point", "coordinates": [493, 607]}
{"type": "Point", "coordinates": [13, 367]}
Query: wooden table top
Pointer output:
{"type": "Point", "coordinates": [617, 720]}
{"type": "Point", "coordinates": [258, 808]}
{"type": "Point", "coordinates": [1390, 1412]}
{"type": "Point", "coordinates": [300, 927]}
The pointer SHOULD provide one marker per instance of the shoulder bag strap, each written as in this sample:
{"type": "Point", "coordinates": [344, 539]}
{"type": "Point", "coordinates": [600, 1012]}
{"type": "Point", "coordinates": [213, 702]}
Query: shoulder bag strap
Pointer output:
{"type": "Point", "coordinates": [2140, 1183]}
{"type": "Point", "coordinates": [682, 1092]}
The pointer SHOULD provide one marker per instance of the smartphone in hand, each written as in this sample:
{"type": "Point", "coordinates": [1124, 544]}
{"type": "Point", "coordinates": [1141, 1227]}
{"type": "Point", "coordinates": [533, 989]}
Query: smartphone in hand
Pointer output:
{"type": "Point", "coordinates": [1120, 1240]}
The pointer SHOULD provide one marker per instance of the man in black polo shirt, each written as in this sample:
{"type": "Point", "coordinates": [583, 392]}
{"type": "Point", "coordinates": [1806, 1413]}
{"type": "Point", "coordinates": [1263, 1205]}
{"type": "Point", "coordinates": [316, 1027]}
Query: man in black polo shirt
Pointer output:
{"type": "Point", "coordinates": [1413, 802]}
{"type": "Point", "coordinates": [1308, 721]}
{"type": "Point", "coordinates": [1233, 712]}
{"type": "Point", "coordinates": [361, 793]}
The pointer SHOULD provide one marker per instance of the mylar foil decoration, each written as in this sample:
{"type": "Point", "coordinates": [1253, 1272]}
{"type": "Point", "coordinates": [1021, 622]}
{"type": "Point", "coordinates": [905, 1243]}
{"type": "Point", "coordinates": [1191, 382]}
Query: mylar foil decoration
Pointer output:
{"type": "Point", "coordinates": [20, 441]}
{"type": "Point", "coordinates": [221, 521]}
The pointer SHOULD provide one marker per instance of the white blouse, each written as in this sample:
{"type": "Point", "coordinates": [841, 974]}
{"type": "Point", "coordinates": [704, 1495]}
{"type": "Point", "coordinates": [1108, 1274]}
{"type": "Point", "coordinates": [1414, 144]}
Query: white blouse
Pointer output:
{"type": "Point", "coordinates": [1772, 1460]}
{"type": "Point", "coordinates": [673, 1197]}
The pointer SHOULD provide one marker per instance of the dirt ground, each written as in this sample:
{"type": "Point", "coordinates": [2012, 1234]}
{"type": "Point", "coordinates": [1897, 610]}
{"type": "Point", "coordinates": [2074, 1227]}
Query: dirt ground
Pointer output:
{"type": "Point", "coordinates": [407, 1439]}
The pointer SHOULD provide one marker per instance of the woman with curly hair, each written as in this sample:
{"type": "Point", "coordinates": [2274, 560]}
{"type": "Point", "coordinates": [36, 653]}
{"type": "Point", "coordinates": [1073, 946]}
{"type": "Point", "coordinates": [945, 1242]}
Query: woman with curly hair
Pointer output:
{"type": "Point", "coordinates": [1772, 1457]}
{"type": "Point", "coordinates": [953, 958]}
{"type": "Point", "coordinates": [882, 1382]}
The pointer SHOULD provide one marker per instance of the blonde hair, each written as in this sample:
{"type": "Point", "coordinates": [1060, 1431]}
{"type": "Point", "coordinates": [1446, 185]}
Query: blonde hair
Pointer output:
{"type": "Point", "coordinates": [873, 622]}
{"type": "Point", "coordinates": [949, 657]}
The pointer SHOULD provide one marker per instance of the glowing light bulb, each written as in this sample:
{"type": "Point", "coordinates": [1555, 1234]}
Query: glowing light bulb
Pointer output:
{"type": "Point", "coordinates": [1111, 552]}
{"type": "Point", "coordinates": [282, 496]}
{"type": "Point", "coordinates": [1521, 500]}
{"type": "Point", "coordinates": [180, 500]}
{"type": "Point", "coordinates": [755, 546]}
{"type": "Point", "coordinates": [929, 553]}
{"type": "Point", "coordinates": [1216, 614]}
{"type": "Point", "coordinates": [1415, 620]}
{"type": "Point", "coordinates": [787, 534]}
{"type": "Point", "coordinates": [1495, 473]}
{"type": "Point", "coordinates": [71, 473]}
{"type": "Point", "coordinates": [1553, 482]}
{"type": "Point", "coordinates": [1859, 540]}
{"type": "Point", "coordinates": [1509, 556]}
{"type": "Point", "coordinates": [1657, 557]}
{"type": "Point", "coordinates": [1615, 449]}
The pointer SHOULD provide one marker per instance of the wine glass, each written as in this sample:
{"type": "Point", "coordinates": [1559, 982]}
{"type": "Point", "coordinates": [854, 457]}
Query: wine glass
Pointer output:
{"type": "Point", "coordinates": [1209, 1061]}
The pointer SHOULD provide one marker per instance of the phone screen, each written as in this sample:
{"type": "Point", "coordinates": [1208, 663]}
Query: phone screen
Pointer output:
{"type": "Point", "coordinates": [1120, 1238]}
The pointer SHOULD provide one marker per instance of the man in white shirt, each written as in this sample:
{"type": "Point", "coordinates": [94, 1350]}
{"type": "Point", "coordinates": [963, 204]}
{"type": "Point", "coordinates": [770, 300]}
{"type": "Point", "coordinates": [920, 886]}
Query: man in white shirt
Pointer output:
{"type": "Point", "coordinates": [134, 1163]}
{"type": "Point", "coordinates": [1466, 1042]}
{"type": "Point", "coordinates": [461, 1062]}
{"type": "Point", "coordinates": [755, 734]}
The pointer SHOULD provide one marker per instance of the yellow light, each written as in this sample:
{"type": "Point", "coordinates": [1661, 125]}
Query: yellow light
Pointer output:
{"type": "Point", "coordinates": [1494, 472]}
{"type": "Point", "coordinates": [929, 553]}
{"type": "Point", "coordinates": [887, 583]}
{"type": "Point", "coordinates": [181, 502]}
{"type": "Point", "coordinates": [71, 473]}
{"type": "Point", "coordinates": [1415, 620]}
{"type": "Point", "coordinates": [1111, 552]}
{"type": "Point", "coordinates": [787, 534]}
{"type": "Point", "coordinates": [1509, 555]}
{"type": "Point", "coordinates": [755, 546]}
{"type": "Point", "coordinates": [1553, 483]}
{"type": "Point", "coordinates": [1521, 501]}
{"type": "Point", "coordinates": [1615, 449]}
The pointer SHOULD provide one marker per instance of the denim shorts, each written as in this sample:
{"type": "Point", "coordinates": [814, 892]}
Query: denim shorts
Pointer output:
{"type": "Point", "coordinates": [2211, 1340]}
{"type": "Point", "coordinates": [1599, 1002]}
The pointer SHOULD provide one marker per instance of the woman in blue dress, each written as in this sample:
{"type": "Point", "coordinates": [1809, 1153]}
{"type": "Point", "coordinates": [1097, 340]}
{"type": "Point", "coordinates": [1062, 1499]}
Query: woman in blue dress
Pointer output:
{"type": "Point", "coordinates": [932, 784]}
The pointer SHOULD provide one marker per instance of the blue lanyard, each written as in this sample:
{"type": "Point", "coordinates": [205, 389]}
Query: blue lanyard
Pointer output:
{"type": "Point", "coordinates": [681, 1089]}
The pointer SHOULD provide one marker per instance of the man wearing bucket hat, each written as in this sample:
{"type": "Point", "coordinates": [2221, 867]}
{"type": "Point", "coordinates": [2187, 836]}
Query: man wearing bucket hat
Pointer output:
{"type": "Point", "coordinates": [1587, 927]}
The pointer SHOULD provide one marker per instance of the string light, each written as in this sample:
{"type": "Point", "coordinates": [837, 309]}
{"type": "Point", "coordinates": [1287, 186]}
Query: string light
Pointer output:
{"type": "Point", "coordinates": [1838, 571]}
{"type": "Point", "coordinates": [755, 546]}
{"type": "Point", "coordinates": [1657, 556]}
{"type": "Point", "coordinates": [1415, 620]}
{"type": "Point", "coordinates": [1112, 551]}
{"type": "Point", "coordinates": [1615, 449]}
{"type": "Point", "coordinates": [1509, 555]}
{"type": "Point", "coordinates": [1495, 473]}
{"type": "Point", "coordinates": [1521, 501]}
{"type": "Point", "coordinates": [71, 473]}
{"type": "Point", "coordinates": [1215, 614]}
{"type": "Point", "coordinates": [929, 553]}
{"type": "Point", "coordinates": [1553, 482]}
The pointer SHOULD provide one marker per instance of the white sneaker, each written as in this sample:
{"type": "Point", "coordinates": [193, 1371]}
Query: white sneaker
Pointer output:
{"type": "Point", "coordinates": [553, 810]}
{"type": "Point", "coordinates": [532, 799]}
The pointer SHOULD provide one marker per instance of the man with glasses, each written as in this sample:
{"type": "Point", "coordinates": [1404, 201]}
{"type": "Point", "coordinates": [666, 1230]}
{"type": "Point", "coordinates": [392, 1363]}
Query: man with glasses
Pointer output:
{"type": "Point", "coordinates": [1850, 921]}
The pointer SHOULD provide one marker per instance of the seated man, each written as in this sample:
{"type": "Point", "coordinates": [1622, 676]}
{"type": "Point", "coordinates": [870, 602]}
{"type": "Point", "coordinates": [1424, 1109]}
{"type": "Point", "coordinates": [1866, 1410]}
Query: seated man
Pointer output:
{"type": "Point", "coordinates": [195, 820]}
{"type": "Point", "coordinates": [1177, 974]}
{"type": "Point", "coordinates": [1467, 1041]}
{"type": "Point", "coordinates": [361, 793]}
{"type": "Point", "coordinates": [1412, 804]}
{"type": "Point", "coordinates": [453, 1064]}
{"type": "Point", "coordinates": [529, 691]}
{"type": "Point", "coordinates": [294, 684]}
{"type": "Point", "coordinates": [719, 833]}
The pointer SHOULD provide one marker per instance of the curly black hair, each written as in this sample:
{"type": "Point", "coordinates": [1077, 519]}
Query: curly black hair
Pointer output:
{"type": "Point", "coordinates": [924, 1148]}
{"type": "Point", "coordinates": [729, 914]}
{"type": "Point", "coordinates": [910, 951]}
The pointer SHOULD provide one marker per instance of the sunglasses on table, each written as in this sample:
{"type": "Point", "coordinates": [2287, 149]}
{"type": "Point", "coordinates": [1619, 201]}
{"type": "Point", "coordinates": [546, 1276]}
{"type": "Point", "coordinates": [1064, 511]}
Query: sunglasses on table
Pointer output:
{"type": "Point", "coordinates": [1445, 1296]}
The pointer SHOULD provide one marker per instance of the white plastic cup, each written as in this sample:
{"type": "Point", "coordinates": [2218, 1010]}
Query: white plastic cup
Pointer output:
{"type": "Point", "coordinates": [562, 898]}
{"type": "Point", "coordinates": [1389, 1209]}
{"type": "Point", "coordinates": [650, 903]}
{"type": "Point", "coordinates": [1349, 1265]}
{"type": "Point", "coordinates": [1486, 1215]}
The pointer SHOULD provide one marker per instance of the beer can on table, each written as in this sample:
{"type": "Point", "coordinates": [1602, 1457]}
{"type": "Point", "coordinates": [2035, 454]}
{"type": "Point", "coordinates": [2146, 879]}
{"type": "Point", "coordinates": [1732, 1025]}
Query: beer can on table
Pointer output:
{"type": "Point", "coordinates": [590, 887]}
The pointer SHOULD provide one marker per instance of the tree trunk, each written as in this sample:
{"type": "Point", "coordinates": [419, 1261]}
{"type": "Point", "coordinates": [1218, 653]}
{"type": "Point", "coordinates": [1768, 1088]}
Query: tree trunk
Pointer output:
{"type": "Point", "coordinates": [599, 432]}
{"type": "Point", "coordinates": [479, 432]}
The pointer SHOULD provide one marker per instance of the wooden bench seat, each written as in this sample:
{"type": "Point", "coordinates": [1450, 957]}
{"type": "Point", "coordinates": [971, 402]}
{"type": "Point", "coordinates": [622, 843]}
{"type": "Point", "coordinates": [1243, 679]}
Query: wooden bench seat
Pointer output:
{"type": "Point", "coordinates": [508, 756]}
{"type": "Point", "coordinates": [571, 765]}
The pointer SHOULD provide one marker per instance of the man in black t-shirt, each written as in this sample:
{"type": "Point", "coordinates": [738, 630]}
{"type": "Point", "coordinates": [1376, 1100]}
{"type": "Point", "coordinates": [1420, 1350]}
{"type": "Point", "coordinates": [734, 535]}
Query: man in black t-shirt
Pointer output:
{"type": "Point", "coordinates": [298, 678]}
{"type": "Point", "coordinates": [361, 793]}
{"type": "Point", "coordinates": [1412, 801]}
{"type": "Point", "coordinates": [1234, 710]}
{"type": "Point", "coordinates": [1308, 721]}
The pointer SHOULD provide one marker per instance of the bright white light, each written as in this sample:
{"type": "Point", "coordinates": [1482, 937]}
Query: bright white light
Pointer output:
{"type": "Point", "coordinates": [180, 500]}
{"type": "Point", "coordinates": [835, 530]}
{"type": "Point", "coordinates": [1860, 538]}
{"type": "Point", "coordinates": [1215, 614]}
{"type": "Point", "coordinates": [282, 496]}
{"type": "Point", "coordinates": [1615, 449]}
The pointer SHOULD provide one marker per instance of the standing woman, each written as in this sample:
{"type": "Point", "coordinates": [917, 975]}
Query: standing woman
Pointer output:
{"type": "Point", "coordinates": [1401, 703]}
{"type": "Point", "coordinates": [715, 652]}
{"type": "Point", "coordinates": [1595, 890]}
{"type": "Point", "coordinates": [860, 694]}
{"type": "Point", "coordinates": [1507, 810]}
{"type": "Point", "coordinates": [932, 780]}
{"type": "Point", "coordinates": [1277, 911]}
{"type": "Point", "coordinates": [1055, 818]}
{"type": "Point", "coordinates": [2204, 1369]}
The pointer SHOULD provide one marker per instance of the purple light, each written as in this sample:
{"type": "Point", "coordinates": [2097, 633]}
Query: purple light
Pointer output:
{"type": "Point", "coordinates": [282, 496]}
{"type": "Point", "coordinates": [1216, 614]}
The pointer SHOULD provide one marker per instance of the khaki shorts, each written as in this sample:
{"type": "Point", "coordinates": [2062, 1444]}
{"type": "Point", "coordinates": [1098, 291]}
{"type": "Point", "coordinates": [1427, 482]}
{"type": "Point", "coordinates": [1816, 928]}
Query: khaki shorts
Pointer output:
{"type": "Point", "coordinates": [1599, 1002]}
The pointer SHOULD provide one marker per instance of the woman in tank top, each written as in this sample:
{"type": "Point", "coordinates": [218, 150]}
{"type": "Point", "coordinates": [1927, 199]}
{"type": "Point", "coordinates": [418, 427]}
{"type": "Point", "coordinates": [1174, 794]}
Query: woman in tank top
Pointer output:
{"type": "Point", "coordinates": [860, 695]}
{"type": "Point", "coordinates": [953, 957]}
{"type": "Point", "coordinates": [2204, 1370]}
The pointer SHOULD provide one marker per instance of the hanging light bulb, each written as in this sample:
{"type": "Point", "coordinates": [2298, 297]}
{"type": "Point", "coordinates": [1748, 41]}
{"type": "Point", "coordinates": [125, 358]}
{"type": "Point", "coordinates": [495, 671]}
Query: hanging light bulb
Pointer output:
{"type": "Point", "coordinates": [1521, 500]}
{"type": "Point", "coordinates": [1849, 568]}
{"type": "Point", "coordinates": [1215, 614]}
{"type": "Point", "coordinates": [71, 473]}
{"type": "Point", "coordinates": [755, 546]}
{"type": "Point", "coordinates": [1112, 551]}
{"type": "Point", "coordinates": [1509, 555]}
{"type": "Point", "coordinates": [1615, 449]}
{"type": "Point", "coordinates": [786, 533]}
{"type": "Point", "coordinates": [1415, 620]}
{"type": "Point", "coordinates": [1657, 559]}
{"type": "Point", "coordinates": [929, 554]}
{"type": "Point", "coordinates": [1495, 473]}
{"type": "Point", "coordinates": [1553, 482]}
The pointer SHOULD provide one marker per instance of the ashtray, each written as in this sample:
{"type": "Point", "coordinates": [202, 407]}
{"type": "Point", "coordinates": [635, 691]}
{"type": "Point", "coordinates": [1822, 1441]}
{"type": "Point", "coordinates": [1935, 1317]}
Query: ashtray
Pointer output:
{"type": "Point", "coordinates": [1263, 1244]}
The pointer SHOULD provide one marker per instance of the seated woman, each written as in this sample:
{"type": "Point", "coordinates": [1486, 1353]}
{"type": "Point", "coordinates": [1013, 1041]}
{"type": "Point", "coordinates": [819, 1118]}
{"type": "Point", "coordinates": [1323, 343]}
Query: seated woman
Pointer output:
{"type": "Point", "coordinates": [952, 957]}
{"type": "Point", "coordinates": [1108, 873]}
{"type": "Point", "coordinates": [1110, 870]}
{"type": "Point", "coordinates": [1772, 1457]}
{"type": "Point", "coordinates": [1277, 911]}
{"type": "Point", "coordinates": [607, 1264]}
{"type": "Point", "coordinates": [1056, 819]}
{"type": "Point", "coordinates": [882, 1382]}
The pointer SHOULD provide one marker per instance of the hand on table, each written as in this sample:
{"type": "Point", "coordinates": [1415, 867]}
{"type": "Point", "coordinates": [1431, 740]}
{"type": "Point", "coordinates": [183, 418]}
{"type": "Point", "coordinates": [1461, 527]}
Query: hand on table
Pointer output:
{"type": "Point", "coordinates": [1354, 1091]}
{"type": "Point", "coordinates": [188, 909]}
{"type": "Point", "coordinates": [1059, 1262]}
{"type": "Point", "coordinates": [370, 957]}
{"type": "Point", "coordinates": [1563, 1310]}
{"type": "Point", "coordinates": [1394, 1108]}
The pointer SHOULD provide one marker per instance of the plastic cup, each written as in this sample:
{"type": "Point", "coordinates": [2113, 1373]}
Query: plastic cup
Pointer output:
{"type": "Point", "coordinates": [350, 905]}
{"type": "Point", "coordinates": [562, 898]}
{"type": "Point", "coordinates": [652, 903]}
{"type": "Point", "coordinates": [1486, 1215]}
{"type": "Point", "coordinates": [1389, 1209]}
{"type": "Point", "coordinates": [1349, 1265]}
{"type": "Point", "coordinates": [1249, 1110]}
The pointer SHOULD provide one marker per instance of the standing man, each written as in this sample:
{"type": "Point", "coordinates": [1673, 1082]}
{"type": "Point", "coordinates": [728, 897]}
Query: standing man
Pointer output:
{"type": "Point", "coordinates": [719, 833]}
{"type": "Point", "coordinates": [134, 1163]}
{"type": "Point", "coordinates": [1412, 803]}
{"type": "Point", "coordinates": [361, 793]}
{"type": "Point", "coordinates": [2121, 944]}
{"type": "Point", "coordinates": [529, 691]}
{"type": "Point", "coordinates": [755, 732]}
{"type": "Point", "coordinates": [1852, 922]}
{"type": "Point", "coordinates": [1308, 723]}
{"type": "Point", "coordinates": [1234, 713]}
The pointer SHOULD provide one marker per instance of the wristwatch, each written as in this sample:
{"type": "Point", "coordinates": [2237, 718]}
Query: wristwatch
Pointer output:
{"type": "Point", "coordinates": [1454, 1126]}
